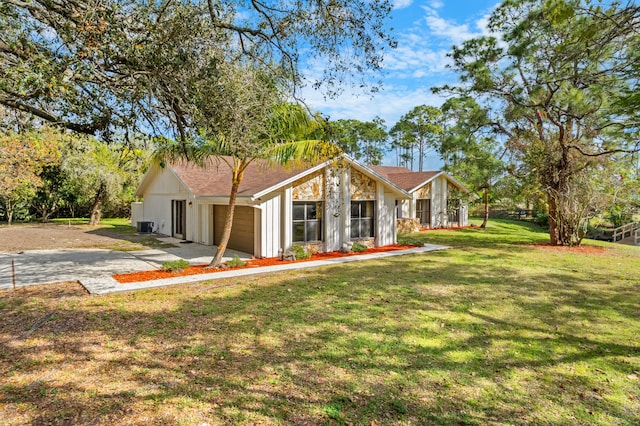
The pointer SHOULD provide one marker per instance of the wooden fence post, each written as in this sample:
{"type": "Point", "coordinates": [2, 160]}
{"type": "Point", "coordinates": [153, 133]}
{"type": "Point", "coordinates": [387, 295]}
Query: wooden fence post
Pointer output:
{"type": "Point", "coordinates": [13, 273]}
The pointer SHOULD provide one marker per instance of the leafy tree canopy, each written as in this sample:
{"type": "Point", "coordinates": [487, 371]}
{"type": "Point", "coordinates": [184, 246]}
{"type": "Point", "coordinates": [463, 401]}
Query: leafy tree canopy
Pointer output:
{"type": "Point", "coordinates": [22, 158]}
{"type": "Point", "coordinates": [100, 66]}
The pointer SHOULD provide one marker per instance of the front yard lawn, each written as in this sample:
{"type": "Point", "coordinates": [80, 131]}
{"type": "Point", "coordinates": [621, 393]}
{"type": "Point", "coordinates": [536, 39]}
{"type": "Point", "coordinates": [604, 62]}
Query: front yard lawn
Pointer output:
{"type": "Point", "coordinates": [498, 330]}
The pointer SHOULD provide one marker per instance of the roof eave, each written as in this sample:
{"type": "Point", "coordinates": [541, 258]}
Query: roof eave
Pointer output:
{"type": "Point", "coordinates": [144, 182]}
{"type": "Point", "coordinates": [290, 180]}
{"type": "Point", "coordinates": [426, 181]}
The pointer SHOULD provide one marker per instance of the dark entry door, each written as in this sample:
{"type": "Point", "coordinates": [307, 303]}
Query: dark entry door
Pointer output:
{"type": "Point", "coordinates": [453, 210]}
{"type": "Point", "coordinates": [423, 211]}
{"type": "Point", "coordinates": [179, 214]}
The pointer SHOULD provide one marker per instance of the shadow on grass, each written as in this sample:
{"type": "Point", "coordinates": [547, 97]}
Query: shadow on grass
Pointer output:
{"type": "Point", "coordinates": [128, 233]}
{"type": "Point", "coordinates": [428, 339]}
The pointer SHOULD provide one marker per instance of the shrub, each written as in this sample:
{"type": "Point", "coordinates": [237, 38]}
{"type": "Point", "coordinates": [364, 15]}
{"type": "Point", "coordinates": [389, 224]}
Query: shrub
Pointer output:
{"type": "Point", "coordinates": [174, 265]}
{"type": "Point", "coordinates": [542, 219]}
{"type": "Point", "coordinates": [236, 262]}
{"type": "Point", "coordinates": [357, 247]}
{"type": "Point", "coordinates": [300, 252]}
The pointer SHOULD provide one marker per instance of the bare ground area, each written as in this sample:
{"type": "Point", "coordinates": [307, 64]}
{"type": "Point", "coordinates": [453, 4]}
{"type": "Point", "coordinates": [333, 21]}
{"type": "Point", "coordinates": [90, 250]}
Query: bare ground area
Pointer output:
{"type": "Point", "coordinates": [43, 236]}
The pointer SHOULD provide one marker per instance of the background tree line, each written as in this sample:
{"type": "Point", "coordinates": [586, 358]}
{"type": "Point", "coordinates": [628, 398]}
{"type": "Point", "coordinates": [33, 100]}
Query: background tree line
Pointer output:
{"type": "Point", "coordinates": [45, 173]}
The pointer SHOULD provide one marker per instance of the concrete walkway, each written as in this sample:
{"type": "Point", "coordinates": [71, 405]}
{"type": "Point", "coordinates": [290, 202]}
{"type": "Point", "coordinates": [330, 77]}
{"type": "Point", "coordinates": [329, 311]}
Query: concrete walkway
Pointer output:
{"type": "Point", "coordinates": [35, 267]}
{"type": "Point", "coordinates": [94, 268]}
{"type": "Point", "coordinates": [106, 285]}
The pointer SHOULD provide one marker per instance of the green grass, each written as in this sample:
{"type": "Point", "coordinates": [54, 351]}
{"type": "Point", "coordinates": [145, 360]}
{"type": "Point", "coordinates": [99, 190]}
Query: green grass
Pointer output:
{"type": "Point", "coordinates": [498, 330]}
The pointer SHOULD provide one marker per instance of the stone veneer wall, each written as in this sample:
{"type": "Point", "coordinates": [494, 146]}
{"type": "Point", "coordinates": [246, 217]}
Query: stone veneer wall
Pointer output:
{"type": "Point", "coordinates": [313, 248]}
{"type": "Point", "coordinates": [309, 188]}
{"type": "Point", "coordinates": [368, 241]}
{"type": "Point", "coordinates": [407, 225]}
{"type": "Point", "coordinates": [424, 192]}
{"type": "Point", "coordinates": [362, 187]}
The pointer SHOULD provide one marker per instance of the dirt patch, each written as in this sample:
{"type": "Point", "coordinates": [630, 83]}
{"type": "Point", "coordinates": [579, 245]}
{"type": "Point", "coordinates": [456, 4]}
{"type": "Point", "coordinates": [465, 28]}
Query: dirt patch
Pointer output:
{"type": "Point", "coordinates": [577, 249]}
{"type": "Point", "coordinates": [253, 263]}
{"type": "Point", "coordinates": [45, 236]}
{"type": "Point", "coordinates": [46, 291]}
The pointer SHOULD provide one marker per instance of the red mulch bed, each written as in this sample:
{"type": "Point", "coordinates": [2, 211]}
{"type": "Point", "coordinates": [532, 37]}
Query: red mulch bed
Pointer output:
{"type": "Point", "coordinates": [133, 277]}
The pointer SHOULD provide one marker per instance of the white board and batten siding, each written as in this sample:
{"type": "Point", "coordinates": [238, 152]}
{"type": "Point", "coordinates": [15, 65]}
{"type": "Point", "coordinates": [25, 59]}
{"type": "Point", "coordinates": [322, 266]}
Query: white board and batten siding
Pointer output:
{"type": "Point", "coordinates": [334, 208]}
{"type": "Point", "coordinates": [386, 217]}
{"type": "Point", "coordinates": [269, 221]}
{"type": "Point", "coordinates": [157, 204]}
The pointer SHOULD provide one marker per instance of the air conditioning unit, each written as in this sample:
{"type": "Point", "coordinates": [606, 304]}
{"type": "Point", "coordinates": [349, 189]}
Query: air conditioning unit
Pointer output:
{"type": "Point", "coordinates": [145, 227]}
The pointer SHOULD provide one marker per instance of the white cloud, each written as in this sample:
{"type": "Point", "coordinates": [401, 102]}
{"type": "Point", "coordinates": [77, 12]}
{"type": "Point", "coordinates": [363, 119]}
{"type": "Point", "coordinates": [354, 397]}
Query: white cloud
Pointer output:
{"type": "Point", "coordinates": [389, 104]}
{"type": "Point", "coordinates": [456, 33]}
{"type": "Point", "coordinates": [418, 64]}
{"type": "Point", "coordinates": [452, 31]}
{"type": "Point", "coordinates": [401, 4]}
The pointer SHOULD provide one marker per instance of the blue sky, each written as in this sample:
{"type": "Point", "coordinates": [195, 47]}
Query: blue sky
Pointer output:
{"type": "Point", "coordinates": [425, 31]}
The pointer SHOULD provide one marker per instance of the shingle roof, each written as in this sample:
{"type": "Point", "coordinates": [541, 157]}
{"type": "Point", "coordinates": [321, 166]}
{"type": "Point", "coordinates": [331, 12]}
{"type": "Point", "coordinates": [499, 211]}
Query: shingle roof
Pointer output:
{"type": "Point", "coordinates": [387, 170]}
{"type": "Point", "coordinates": [403, 177]}
{"type": "Point", "coordinates": [215, 179]}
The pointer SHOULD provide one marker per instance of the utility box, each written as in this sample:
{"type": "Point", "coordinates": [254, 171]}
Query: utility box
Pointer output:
{"type": "Point", "coordinates": [145, 227]}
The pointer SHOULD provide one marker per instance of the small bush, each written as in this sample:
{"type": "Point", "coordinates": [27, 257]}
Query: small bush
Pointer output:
{"type": "Point", "coordinates": [300, 252]}
{"type": "Point", "coordinates": [357, 247]}
{"type": "Point", "coordinates": [542, 219]}
{"type": "Point", "coordinates": [236, 262]}
{"type": "Point", "coordinates": [174, 265]}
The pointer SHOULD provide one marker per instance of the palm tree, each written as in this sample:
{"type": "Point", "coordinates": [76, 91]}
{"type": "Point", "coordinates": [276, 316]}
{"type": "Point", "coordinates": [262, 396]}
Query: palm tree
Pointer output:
{"type": "Point", "coordinates": [288, 136]}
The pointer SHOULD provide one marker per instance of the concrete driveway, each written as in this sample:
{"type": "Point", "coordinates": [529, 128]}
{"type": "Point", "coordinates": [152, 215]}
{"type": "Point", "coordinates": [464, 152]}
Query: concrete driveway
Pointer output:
{"type": "Point", "coordinates": [48, 266]}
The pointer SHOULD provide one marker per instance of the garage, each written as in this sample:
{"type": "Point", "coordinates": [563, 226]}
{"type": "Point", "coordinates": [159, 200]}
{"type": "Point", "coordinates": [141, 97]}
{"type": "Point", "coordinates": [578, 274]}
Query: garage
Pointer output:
{"type": "Point", "coordinates": [242, 232]}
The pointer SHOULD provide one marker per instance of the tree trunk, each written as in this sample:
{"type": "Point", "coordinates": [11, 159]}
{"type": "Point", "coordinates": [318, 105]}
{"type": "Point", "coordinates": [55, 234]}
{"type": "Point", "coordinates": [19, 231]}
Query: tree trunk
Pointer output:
{"type": "Point", "coordinates": [46, 212]}
{"type": "Point", "coordinates": [228, 222]}
{"type": "Point", "coordinates": [554, 236]}
{"type": "Point", "coordinates": [95, 207]}
{"type": "Point", "coordinates": [9, 210]}
{"type": "Point", "coordinates": [485, 197]}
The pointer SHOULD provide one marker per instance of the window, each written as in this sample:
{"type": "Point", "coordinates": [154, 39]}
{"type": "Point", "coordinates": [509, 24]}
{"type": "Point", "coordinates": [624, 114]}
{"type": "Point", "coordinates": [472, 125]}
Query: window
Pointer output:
{"type": "Point", "coordinates": [453, 210]}
{"type": "Point", "coordinates": [307, 221]}
{"type": "Point", "coordinates": [423, 211]}
{"type": "Point", "coordinates": [362, 223]}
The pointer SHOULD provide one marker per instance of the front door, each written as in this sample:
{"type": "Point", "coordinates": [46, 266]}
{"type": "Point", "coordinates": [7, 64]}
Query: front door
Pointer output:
{"type": "Point", "coordinates": [453, 210]}
{"type": "Point", "coordinates": [179, 218]}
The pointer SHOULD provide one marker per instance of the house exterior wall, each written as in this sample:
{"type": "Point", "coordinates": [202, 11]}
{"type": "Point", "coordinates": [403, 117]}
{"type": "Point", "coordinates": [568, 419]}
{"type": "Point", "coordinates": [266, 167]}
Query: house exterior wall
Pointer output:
{"type": "Point", "coordinates": [137, 213]}
{"type": "Point", "coordinates": [269, 226]}
{"type": "Point", "coordinates": [385, 217]}
{"type": "Point", "coordinates": [438, 191]}
{"type": "Point", "coordinates": [362, 187]}
{"type": "Point", "coordinates": [336, 186]}
{"type": "Point", "coordinates": [157, 204]}
{"type": "Point", "coordinates": [311, 188]}
{"type": "Point", "coordinates": [334, 208]}
{"type": "Point", "coordinates": [205, 221]}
